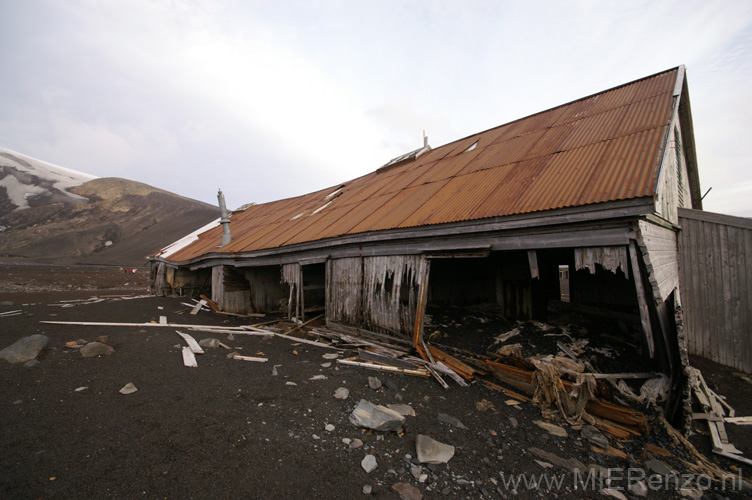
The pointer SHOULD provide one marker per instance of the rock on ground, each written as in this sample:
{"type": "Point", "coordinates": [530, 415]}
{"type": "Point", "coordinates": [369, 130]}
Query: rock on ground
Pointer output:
{"type": "Point", "coordinates": [376, 417]}
{"type": "Point", "coordinates": [402, 409]}
{"type": "Point", "coordinates": [25, 349]}
{"type": "Point", "coordinates": [369, 463]}
{"type": "Point", "coordinates": [407, 491]}
{"type": "Point", "coordinates": [93, 349]}
{"type": "Point", "coordinates": [431, 451]}
{"type": "Point", "coordinates": [341, 393]}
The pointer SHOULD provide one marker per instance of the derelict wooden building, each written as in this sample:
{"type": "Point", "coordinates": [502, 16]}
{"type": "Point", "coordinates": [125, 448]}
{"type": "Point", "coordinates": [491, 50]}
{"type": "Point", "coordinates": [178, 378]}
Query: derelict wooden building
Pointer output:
{"type": "Point", "coordinates": [585, 194]}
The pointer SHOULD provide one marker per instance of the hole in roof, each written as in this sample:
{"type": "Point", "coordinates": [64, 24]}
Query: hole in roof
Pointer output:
{"type": "Point", "coordinates": [472, 146]}
{"type": "Point", "coordinates": [335, 192]}
{"type": "Point", "coordinates": [298, 216]}
{"type": "Point", "coordinates": [320, 208]}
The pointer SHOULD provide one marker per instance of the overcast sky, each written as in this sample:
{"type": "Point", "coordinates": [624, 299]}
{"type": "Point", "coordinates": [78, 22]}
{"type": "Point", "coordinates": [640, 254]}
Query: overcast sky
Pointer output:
{"type": "Point", "coordinates": [272, 99]}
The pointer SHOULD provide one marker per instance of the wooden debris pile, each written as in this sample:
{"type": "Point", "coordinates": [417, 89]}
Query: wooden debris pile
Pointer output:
{"type": "Point", "coordinates": [716, 412]}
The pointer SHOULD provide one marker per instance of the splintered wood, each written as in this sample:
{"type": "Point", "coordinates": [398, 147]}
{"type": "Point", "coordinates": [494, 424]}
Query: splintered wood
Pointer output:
{"type": "Point", "coordinates": [714, 412]}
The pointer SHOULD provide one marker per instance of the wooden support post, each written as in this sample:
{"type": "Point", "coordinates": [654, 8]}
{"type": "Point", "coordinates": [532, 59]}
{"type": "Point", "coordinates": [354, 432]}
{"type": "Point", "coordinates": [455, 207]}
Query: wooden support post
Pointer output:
{"type": "Point", "coordinates": [641, 299]}
{"type": "Point", "coordinates": [532, 258]}
{"type": "Point", "coordinates": [422, 299]}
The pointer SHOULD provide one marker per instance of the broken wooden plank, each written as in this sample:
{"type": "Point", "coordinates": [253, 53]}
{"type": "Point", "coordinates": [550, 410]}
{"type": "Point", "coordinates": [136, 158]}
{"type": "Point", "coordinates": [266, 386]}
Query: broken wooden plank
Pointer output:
{"type": "Point", "coordinates": [372, 356]}
{"type": "Point", "coordinates": [739, 420]}
{"type": "Point", "coordinates": [732, 456]}
{"type": "Point", "coordinates": [213, 305]}
{"type": "Point", "coordinates": [191, 343]}
{"type": "Point", "coordinates": [422, 299]}
{"type": "Point", "coordinates": [189, 359]}
{"type": "Point", "coordinates": [11, 313]}
{"type": "Point", "coordinates": [508, 392]}
{"type": "Point", "coordinates": [712, 417]}
{"type": "Point", "coordinates": [442, 368]}
{"type": "Point", "coordinates": [198, 307]}
{"type": "Point", "coordinates": [351, 362]}
{"type": "Point", "coordinates": [250, 358]}
{"type": "Point", "coordinates": [642, 299]}
{"type": "Point", "coordinates": [288, 332]}
{"type": "Point", "coordinates": [465, 371]}
{"type": "Point", "coordinates": [170, 325]}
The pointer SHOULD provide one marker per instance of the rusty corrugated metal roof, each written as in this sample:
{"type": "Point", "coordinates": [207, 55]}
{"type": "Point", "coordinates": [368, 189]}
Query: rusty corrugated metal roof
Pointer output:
{"type": "Point", "coordinates": [605, 147]}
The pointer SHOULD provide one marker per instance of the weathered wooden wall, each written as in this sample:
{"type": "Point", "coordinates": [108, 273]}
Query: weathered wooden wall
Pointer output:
{"type": "Point", "coordinates": [266, 288]}
{"type": "Point", "coordinates": [715, 261]}
{"type": "Point", "coordinates": [344, 292]}
{"type": "Point", "coordinates": [230, 289]}
{"type": "Point", "coordinates": [390, 288]}
{"type": "Point", "coordinates": [291, 275]}
{"type": "Point", "coordinates": [660, 253]}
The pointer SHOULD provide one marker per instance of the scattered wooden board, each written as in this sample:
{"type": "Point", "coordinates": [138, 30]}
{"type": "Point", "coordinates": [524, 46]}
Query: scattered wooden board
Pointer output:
{"type": "Point", "coordinates": [191, 343]}
{"type": "Point", "coordinates": [189, 359]}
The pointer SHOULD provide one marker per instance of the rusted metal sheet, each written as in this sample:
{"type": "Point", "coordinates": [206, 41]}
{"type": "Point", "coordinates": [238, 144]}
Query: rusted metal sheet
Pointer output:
{"type": "Point", "coordinates": [605, 147]}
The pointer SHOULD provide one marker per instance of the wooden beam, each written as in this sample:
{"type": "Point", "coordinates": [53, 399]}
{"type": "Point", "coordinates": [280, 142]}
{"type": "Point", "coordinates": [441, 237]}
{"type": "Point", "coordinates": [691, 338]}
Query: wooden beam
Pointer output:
{"type": "Point", "coordinates": [532, 258]}
{"type": "Point", "coordinates": [642, 299]}
{"type": "Point", "coordinates": [422, 299]}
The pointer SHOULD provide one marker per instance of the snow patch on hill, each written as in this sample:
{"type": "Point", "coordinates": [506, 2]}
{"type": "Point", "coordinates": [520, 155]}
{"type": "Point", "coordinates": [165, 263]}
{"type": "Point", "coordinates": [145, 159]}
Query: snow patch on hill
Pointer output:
{"type": "Point", "coordinates": [28, 182]}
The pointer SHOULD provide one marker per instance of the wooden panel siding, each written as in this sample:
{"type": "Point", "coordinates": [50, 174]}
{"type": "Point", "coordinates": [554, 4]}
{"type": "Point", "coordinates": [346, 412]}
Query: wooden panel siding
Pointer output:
{"type": "Point", "coordinates": [344, 293]}
{"type": "Point", "coordinates": [267, 290]}
{"type": "Point", "coordinates": [390, 292]}
{"type": "Point", "coordinates": [715, 258]}
{"type": "Point", "coordinates": [292, 276]}
{"type": "Point", "coordinates": [660, 254]}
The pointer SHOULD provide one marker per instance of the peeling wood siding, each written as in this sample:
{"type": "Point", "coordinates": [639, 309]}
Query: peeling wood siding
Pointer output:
{"type": "Point", "coordinates": [390, 288]}
{"type": "Point", "coordinates": [218, 286]}
{"type": "Point", "coordinates": [160, 286]}
{"type": "Point", "coordinates": [344, 291]}
{"type": "Point", "coordinates": [266, 288]}
{"type": "Point", "coordinates": [292, 276]}
{"type": "Point", "coordinates": [716, 258]}
{"type": "Point", "coordinates": [658, 246]}
{"type": "Point", "coordinates": [673, 182]}
{"type": "Point", "coordinates": [230, 290]}
{"type": "Point", "coordinates": [610, 258]}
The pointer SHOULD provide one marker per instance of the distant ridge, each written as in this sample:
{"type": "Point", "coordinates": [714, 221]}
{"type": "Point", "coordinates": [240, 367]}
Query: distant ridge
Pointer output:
{"type": "Point", "coordinates": [53, 214]}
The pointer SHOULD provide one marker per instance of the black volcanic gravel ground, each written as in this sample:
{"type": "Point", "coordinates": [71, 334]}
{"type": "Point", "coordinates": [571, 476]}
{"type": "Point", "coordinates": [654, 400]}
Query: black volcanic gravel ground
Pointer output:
{"type": "Point", "coordinates": [230, 429]}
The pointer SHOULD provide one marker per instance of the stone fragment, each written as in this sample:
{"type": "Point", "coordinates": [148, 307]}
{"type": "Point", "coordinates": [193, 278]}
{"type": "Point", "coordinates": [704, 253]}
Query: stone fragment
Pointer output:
{"type": "Point", "coordinates": [367, 489]}
{"type": "Point", "coordinates": [128, 388]}
{"type": "Point", "coordinates": [451, 421]}
{"type": "Point", "coordinates": [416, 471]}
{"type": "Point", "coordinates": [374, 383]}
{"type": "Point", "coordinates": [329, 427]}
{"type": "Point", "coordinates": [326, 365]}
{"type": "Point", "coordinates": [407, 491]}
{"type": "Point", "coordinates": [638, 488]}
{"type": "Point", "coordinates": [318, 377]}
{"type": "Point", "coordinates": [595, 436]}
{"type": "Point", "coordinates": [543, 464]}
{"type": "Point", "coordinates": [565, 463]}
{"type": "Point", "coordinates": [356, 443]}
{"type": "Point", "coordinates": [105, 339]}
{"type": "Point", "coordinates": [209, 342]}
{"type": "Point", "coordinates": [341, 393]}
{"type": "Point", "coordinates": [376, 417]}
{"type": "Point", "coordinates": [369, 463]}
{"type": "Point", "coordinates": [290, 383]}
{"type": "Point", "coordinates": [330, 355]}
{"type": "Point", "coordinates": [347, 441]}
{"type": "Point", "coordinates": [513, 421]}
{"type": "Point", "coordinates": [552, 429]}
{"type": "Point", "coordinates": [93, 349]}
{"type": "Point", "coordinates": [31, 363]}
{"type": "Point", "coordinates": [693, 493]}
{"type": "Point", "coordinates": [389, 384]}
{"type": "Point", "coordinates": [658, 467]}
{"type": "Point", "coordinates": [404, 410]}
{"type": "Point", "coordinates": [25, 349]}
{"type": "Point", "coordinates": [430, 451]}
{"type": "Point", "coordinates": [610, 492]}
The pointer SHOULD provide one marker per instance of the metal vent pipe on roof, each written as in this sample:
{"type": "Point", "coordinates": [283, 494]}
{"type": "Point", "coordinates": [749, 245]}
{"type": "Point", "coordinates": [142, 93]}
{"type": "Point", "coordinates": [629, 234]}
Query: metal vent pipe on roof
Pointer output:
{"type": "Point", "coordinates": [224, 219]}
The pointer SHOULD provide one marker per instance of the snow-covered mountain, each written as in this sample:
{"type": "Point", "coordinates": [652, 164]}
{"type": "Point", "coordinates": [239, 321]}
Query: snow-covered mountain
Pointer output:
{"type": "Point", "coordinates": [54, 214]}
{"type": "Point", "coordinates": [29, 182]}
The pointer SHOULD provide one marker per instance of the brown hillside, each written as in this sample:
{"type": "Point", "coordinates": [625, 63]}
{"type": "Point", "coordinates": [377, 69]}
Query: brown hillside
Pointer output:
{"type": "Point", "coordinates": [123, 222]}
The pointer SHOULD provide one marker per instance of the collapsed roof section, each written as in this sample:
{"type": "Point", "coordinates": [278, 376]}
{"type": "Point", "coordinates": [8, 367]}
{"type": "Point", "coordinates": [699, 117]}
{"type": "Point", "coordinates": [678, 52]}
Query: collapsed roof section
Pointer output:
{"type": "Point", "coordinates": [605, 148]}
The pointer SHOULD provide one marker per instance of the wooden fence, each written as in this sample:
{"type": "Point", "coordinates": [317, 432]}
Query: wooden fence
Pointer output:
{"type": "Point", "coordinates": [715, 256]}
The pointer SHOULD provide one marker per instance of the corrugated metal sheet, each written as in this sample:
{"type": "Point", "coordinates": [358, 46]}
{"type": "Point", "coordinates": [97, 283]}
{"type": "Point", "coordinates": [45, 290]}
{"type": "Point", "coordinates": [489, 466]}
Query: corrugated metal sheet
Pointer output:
{"type": "Point", "coordinates": [601, 148]}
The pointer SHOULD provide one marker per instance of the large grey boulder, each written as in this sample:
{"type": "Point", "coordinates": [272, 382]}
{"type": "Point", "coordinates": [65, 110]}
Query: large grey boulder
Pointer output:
{"type": "Point", "coordinates": [376, 417]}
{"type": "Point", "coordinates": [25, 349]}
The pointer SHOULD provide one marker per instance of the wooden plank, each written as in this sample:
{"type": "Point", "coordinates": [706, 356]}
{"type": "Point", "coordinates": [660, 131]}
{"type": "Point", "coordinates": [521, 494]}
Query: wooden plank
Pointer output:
{"type": "Point", "coordinates": [739, 420]}
{"type": "Point", "coordinates": [532, 258]}
{"type": "Point", "coordinates": [198, 307]}
{"type": "Point", "coordinates": [249, 358]}
{"type": "Point", "coordinates": [191, 343]}
{"type": "Point", "coordinates": [372, 356]}
{"type": "Point", "coordinates": [715, 218]}
{"type": "Point", "coordinates": [163, 320]}
{"type": "Point", "coordinates": [422, 299]}
{"type": "Point", "coordinates": [641, 299]}
{"type": "Point", "coordinates": [189, 359]}
{"type": "Point", "coordinates": [373, 366]}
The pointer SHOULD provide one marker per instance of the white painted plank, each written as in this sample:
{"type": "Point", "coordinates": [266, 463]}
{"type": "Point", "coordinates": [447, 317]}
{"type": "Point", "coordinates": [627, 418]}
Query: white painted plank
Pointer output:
{"type": "Point", "coordinates": [189, 359]}
{"type": "Point", "coordinates": [191, 342]}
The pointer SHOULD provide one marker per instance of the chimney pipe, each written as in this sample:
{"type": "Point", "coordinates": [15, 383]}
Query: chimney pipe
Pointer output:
{"type": "Point", "coordinates": [224, 219]}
